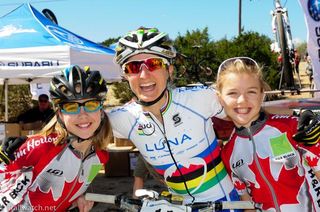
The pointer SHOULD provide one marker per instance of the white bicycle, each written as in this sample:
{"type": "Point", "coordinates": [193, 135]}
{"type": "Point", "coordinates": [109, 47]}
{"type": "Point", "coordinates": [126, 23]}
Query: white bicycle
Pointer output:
{"type": "Point", "coordinates": [283, 44]}
{"type": "Point", "coordinates": [151, 201]}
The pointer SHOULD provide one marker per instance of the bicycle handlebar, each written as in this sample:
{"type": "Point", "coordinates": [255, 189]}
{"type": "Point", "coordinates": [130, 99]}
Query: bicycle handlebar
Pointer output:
{"type": "Point", "coordinates": [120, 200]}
{"type": "Point", "coordinates": [293, 91]}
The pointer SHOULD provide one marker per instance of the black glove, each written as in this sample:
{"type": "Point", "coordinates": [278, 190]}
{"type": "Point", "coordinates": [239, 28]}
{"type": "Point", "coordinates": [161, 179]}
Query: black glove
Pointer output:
{"type": "Point", "coordinates": [308, 128]}
{"type": "Point", "coordinates": [8, 147]}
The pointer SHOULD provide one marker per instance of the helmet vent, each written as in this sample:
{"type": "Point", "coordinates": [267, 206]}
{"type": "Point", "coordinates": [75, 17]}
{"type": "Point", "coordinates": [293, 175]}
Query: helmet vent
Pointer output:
{"type": "Point", "coordinates": [144, 40]}
{"type": "Point", "coordinates": [65, 90]}
{"type": "Point", "coordinates": [81, 84]}
{"type": "Point", "coordinates": [89, 89]}
{"type": "Point", "coordinates": [77, 88]}
{"type": "Point", "coordinates": [152, 35]}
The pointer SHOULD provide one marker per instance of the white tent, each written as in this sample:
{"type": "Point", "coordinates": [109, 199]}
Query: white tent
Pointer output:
{"type": "Point", "coordinates": [33, 49]}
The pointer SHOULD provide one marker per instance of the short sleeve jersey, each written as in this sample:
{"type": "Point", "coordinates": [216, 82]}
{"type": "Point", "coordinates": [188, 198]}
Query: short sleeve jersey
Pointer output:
{"type": "Point", "coordinates": [186, 138]}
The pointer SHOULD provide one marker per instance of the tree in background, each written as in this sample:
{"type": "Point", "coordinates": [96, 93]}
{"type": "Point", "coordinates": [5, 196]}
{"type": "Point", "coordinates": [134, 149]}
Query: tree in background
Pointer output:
{"type": "Point", "coordinates": [19, 100]}
{"type": "Point", "coordinates": [121, 90]}
{"type": "Point", "coordinates": [256, 46]}
{"type": "Point", "coordinates": [199, 57]}
{"type": "Point", "coordinates": [302, 49]}
{"type": "Point", "coordinates": [198, 61]}
{"type": "Point", "coordinates": [200, 53]}
{"type": "Point", "coordinates": [110, 41]}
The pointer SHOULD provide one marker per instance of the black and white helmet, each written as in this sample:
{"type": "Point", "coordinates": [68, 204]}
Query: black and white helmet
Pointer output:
{"type": "Point", "coordinates": [144, 40]}
{"type": "Point", "coordinates": [75, 83]}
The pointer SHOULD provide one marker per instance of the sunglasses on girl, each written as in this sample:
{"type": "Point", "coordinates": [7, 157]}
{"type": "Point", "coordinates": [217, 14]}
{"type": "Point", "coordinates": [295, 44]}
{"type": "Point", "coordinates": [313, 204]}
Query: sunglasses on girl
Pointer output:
{"type": "Point", "coordinates": [245, 60]}
{"type": "Point", "coordinates": [89, 106]}
{"type": "Point", "coordinates": [152, 64]}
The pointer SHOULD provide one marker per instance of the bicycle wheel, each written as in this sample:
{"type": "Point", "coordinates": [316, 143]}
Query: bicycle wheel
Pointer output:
{"type": "Point", "coordinates": [286, 65]}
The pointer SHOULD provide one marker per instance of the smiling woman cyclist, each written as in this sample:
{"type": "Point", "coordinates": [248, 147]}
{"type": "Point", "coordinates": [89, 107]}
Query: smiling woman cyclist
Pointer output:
{"type": "Point", "coordinates": [172, 128]}
{"type": "Point", "coordinates": [54, 168]}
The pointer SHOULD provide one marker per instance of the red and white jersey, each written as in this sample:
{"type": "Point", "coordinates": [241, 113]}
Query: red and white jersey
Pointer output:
{"type": "Point", "coordinates": [267, 163]}
{"type": "Point", "coordinates": [46, 177]}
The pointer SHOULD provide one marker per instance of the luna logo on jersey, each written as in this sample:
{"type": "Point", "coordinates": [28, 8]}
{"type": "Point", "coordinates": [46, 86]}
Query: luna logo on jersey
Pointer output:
{"type": "Point", "coordinates": [13, 196]}
{"type": "Point", "coordinates": [163, 144]}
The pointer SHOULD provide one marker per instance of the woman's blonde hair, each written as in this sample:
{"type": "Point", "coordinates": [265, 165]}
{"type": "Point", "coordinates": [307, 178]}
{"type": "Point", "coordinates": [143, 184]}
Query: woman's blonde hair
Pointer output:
{"type": "Point", "coordinates": [100, 141]}
{"type": "Point", "coordinates": [239, 67]}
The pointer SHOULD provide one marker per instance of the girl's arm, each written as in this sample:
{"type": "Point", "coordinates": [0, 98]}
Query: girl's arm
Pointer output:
{"type": "Point", "coordinates": [246, 197]}
{"type": "Point", "coordinates": [83, 204]}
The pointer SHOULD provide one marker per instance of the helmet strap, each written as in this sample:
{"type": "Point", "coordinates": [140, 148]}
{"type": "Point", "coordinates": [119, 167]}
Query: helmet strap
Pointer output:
{"type": "Point", "coordinates": [143, 103]}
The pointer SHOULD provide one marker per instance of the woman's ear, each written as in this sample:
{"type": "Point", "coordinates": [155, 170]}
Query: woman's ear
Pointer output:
{"type": "Point", "coordinates": [171, 69]}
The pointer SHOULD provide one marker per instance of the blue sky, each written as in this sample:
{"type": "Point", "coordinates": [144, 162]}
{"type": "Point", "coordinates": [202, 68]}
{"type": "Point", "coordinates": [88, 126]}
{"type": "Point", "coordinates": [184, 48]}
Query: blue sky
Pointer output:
{"type": "Point", "coordinates": [98, 20]}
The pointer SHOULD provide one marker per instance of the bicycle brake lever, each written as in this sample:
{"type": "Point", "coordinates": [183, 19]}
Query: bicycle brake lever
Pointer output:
{"type": "Point", "coordinates": [147, 193]}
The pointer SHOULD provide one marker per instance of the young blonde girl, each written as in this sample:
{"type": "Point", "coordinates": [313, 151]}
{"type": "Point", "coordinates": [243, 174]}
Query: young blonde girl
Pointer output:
{"type": "Point", "coordinates": [263, 160]}
{"type": "Point", "coordinates": [52, 169]}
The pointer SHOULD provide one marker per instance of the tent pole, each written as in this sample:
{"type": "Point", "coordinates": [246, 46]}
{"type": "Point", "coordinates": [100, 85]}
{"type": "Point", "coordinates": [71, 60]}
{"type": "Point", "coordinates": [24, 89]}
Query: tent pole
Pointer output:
{"type": "Point", "coordinates": [6, 99]}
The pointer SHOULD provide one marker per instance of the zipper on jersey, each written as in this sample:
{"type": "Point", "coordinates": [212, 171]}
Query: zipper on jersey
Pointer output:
{"type": "Point", "coordinates": [74, 183]}
{"type": "Point", "coordinates": [170, 152]}
{"type": "Point", "coordinates": [272, 191]}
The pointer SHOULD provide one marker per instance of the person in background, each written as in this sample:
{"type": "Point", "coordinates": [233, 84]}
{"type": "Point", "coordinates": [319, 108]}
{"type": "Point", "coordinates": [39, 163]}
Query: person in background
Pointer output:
{"type": "Point", "coordinates": [262, 157]}
{"type": "Point", "coordinates": [42, 112]}
{"type": "Point", "coordinates": [141, 173]}
{"type": "Point", "coordinates": [52, 169]}
{"type": "Point", "coordinates": [309, 69]}
{"type": "Point", "coordinates": [297, 59]}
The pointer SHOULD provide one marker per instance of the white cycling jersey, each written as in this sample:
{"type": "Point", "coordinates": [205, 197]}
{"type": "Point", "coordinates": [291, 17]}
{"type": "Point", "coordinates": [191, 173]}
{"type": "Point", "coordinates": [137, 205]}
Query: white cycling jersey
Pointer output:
{"type": "Point", "coordinates": [189, 133]}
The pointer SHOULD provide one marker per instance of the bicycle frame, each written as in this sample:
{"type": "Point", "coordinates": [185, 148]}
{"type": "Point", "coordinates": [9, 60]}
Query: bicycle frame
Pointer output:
{"type": "Point", "coordinates": [283, 43]}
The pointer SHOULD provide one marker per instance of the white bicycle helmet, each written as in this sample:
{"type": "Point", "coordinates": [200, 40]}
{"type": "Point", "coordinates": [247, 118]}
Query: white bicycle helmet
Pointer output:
{"type": "Point", "coordinates": [144, 40]}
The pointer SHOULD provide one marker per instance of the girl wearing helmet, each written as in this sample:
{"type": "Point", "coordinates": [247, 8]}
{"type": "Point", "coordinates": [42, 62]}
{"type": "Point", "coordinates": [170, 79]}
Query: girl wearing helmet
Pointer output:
{"type": "Point", "coordinates": [54, 168]}
{"type": "Point", "coordinates": [172, 128]}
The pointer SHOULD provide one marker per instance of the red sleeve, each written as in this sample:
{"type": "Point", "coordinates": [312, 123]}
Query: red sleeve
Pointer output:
{"type": "Point", "coordinates": [103, 156]}
{"type": "Point", "coordinates": [314, 149]}
{"type": "Point", "coordinates": [288, 122]}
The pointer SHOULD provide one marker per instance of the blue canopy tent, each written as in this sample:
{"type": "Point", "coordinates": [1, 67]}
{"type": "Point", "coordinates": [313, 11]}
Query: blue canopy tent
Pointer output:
{"type": "Point", "coordinates": [33, 49]}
